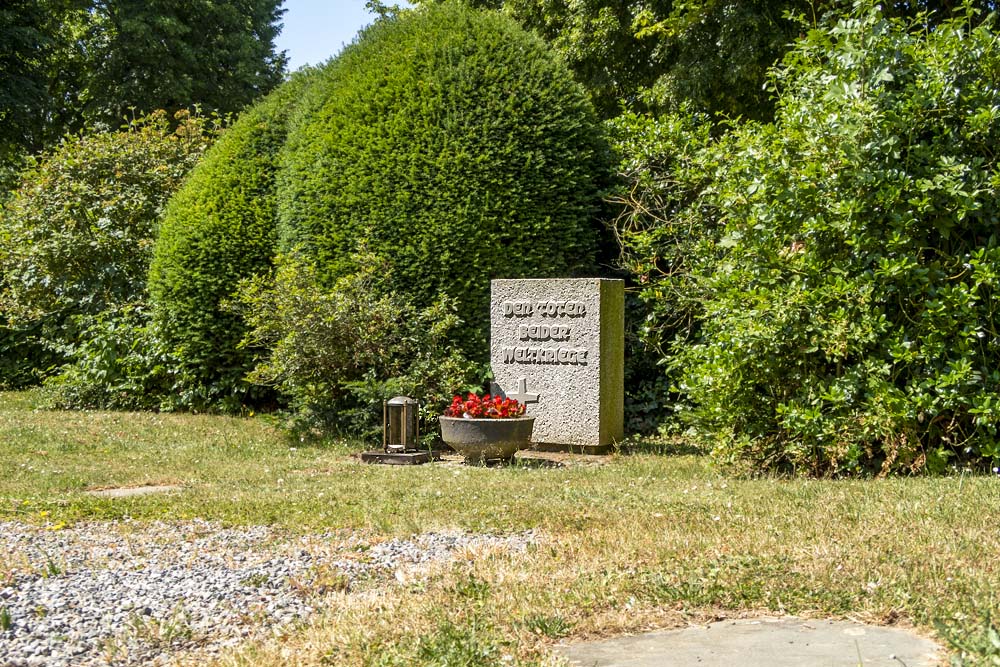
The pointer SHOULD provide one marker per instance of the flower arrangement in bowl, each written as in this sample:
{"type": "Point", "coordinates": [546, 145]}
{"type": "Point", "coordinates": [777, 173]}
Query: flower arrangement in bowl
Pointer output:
{"type": "Point", "coordinates": [487, 407]}
{"type": "Point", "coordinates": [487, 427]}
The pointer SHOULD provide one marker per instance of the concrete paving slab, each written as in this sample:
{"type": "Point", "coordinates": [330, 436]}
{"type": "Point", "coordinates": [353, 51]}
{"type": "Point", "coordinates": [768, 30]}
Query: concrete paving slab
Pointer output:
{"type": "Point", "coordinates": [762, 642]}
{"type": "Point", "coordinates": [126, 492]}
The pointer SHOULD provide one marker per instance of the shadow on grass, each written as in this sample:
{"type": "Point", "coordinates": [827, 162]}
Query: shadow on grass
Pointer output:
{"type": "Point", "coordinates": [660, 446]}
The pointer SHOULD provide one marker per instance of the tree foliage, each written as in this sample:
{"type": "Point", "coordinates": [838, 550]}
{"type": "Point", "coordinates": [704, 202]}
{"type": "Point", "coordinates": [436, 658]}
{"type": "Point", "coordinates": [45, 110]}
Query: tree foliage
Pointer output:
{"type": "Point", "coordinates": [34, 64]}
{"type": "Point", "coordinates": [455, 146]}
{"type": "Point", "coordinates": [164, 54]}
{"type": "Point", "coordinates": [845, 259]}
{"type": "Point", "coordinates": [658, 55]}
{"type": "Point", "coordinates": [70, 65]}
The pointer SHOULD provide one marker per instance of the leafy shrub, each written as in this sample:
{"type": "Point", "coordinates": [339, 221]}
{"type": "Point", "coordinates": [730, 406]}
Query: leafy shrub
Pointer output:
{"type": "Point", "coordinates": [336, 353]}
{"type": "Point", "coordinates": [455, 146]}
{"type": "Point", "coordinates": [217, 230]}
{"type": "Point", "coordinates": [118, 364]}
{"type": "Point", "coordinates": [24, 360]}
{"type": "Point", "coordinates": [77, 234]}
{"type": "Point", "coordinates": [846, 258]}
{"type": "Point", "coordinates": [663, 169]}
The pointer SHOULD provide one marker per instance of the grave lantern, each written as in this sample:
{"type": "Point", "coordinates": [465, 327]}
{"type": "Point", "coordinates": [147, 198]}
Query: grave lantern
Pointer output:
{"type": "Point", "coordinates": [401, 424]}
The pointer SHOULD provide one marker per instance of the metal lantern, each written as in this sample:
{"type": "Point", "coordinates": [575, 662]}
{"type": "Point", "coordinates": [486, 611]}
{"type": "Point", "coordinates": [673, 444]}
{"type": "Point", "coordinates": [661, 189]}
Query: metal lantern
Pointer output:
{"type": "Point", "coordinates": [401, 424]}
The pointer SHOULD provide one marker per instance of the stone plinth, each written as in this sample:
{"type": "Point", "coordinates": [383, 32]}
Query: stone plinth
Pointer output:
{"type": "Point", "coordinates": [559, 347]}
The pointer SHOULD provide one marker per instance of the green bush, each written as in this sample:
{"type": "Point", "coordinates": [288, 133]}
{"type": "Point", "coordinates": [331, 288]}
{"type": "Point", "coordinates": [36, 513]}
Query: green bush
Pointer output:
{"type": "Point", "coordinates": [337, 353]}
{"type": "Point", "coordinates": [663, 169]}
{"type": "Point", "coordinates": [846, 258]}
{"type": "Point", "coordinates": [455, 146]}
{"type": "Point", "coordinates": [77, 235]}
{"type": "Point", "coordinates": [119, 363]}
{"type": "Point", "coordinates": [217, 230]}
{"type": "Point", "coordinates": [24, 360]}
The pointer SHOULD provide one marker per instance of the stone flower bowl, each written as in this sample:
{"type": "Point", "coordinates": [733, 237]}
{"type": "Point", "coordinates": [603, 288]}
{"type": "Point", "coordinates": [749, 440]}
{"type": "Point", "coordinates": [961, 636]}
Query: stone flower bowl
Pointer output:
{"type": "Point", "coordinates": [480, 440]}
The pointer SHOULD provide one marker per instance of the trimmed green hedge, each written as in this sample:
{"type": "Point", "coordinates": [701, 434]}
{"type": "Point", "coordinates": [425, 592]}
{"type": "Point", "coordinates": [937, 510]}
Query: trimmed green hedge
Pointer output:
{"type": "Point", "coordinates": [448, 143]}
{"type": "Point", "coordinates": [456, 146]}
{"type": "Point", "coordinates": [218, 229]}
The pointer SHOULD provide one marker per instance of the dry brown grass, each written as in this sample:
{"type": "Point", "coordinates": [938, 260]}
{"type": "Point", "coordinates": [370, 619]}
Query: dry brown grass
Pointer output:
{"type": "Point", "coordinates": [642, 542]}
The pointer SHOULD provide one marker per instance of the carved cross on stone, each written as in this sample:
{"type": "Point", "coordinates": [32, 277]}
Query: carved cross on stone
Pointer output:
{"type": "Point", "coordinates": [522, 394]}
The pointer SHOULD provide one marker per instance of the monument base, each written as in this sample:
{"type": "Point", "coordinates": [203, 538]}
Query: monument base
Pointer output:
{"type": "Point", "coordinates": [596, 450]}
{"type": "Point", "coordinates": [401, 458]}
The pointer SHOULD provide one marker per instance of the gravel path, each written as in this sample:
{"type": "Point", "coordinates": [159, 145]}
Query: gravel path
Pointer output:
{"type": "Point", "coordinates": [121, 593]}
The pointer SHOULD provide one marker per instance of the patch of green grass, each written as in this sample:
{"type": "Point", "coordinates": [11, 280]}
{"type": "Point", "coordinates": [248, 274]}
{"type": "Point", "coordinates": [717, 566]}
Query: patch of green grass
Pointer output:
{"type": "Point", "coordinates": [552, 626]}
{"type": "Point", "coordinates": [644, 541]}
{"type": "Point", "coordinates": [976, 645]}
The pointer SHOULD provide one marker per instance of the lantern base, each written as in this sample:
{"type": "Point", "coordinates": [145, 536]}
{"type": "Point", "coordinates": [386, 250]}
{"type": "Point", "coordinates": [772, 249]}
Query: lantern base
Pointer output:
{"type": "Point", "coordinates": [401, 458]}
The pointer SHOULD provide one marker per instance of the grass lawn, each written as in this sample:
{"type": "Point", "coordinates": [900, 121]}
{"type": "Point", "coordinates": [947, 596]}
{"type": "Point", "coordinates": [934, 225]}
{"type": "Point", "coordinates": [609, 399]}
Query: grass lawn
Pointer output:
{"type": "Point", "coordinates": [646, 541]}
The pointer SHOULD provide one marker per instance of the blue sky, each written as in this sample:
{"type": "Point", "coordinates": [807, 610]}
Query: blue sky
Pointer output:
{"type": "Point", "coordinates": [315, 30]}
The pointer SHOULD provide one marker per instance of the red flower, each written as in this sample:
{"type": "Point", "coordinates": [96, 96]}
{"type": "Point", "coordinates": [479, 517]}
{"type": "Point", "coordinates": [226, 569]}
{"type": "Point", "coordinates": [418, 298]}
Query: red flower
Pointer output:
{"type": "Point", "coordinates": [488, 407]}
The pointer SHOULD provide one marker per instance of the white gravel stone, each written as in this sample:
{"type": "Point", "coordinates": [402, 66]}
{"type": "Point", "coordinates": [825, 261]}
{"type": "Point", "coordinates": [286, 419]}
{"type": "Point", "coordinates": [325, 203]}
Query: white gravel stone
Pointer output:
{"type": "Point", "coordinates": [124, 593]}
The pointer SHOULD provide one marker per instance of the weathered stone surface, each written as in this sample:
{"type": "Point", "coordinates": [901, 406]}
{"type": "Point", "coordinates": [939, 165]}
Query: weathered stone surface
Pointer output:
{"type": "Point", "coordinates": [558, 346]}
{"type": "Point", "coordinates": [764, 642]}
{"type": "Point", "coordinates": [484, 439]}
{"type": "Point", "coordinates": [127, 492]}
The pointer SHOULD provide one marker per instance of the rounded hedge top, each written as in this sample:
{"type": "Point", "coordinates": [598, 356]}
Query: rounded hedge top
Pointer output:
{"type": "Point", "coordinates": [218, 229]}
{"type": "Point", "coordinates": [452, 143]}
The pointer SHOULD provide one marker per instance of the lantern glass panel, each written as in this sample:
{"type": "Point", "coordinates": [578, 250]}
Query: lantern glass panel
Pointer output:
{"type": "Point", "coordinates": [402, 424]}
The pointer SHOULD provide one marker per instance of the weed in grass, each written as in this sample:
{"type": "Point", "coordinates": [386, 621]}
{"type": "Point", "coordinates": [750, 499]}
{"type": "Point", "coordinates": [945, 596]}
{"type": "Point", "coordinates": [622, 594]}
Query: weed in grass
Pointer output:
{"type": "Point", "coordinates": [174, 629]}
{"type": "Point", "coordinates": [321, 580]}
{"type": "Point", "coordinates": [114, 649]}
{"type": "Point", "coordinates": [466, 645]}
{"type": "Point", "coordinates": [5, 620]}
{"type": "Point", "coordinates": [258, 580]}
{"type": "Point", "coordinates": [551, 626]}
{"type": "Point", "coordinates": [472, 589]}
{"type": "Point", "coordinates": [977, 642]}
{"type": "Point", "coordinates": [373, 654]}
{"type": "Point", "coordinates": [253, 615]}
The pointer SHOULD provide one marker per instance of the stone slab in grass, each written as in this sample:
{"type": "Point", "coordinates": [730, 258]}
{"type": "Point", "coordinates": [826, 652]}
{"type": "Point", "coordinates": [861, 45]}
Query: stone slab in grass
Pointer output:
{"type": "Point", "coordinates": [129, 491]}
{"type": "Point", "coordinates": [762, 642]}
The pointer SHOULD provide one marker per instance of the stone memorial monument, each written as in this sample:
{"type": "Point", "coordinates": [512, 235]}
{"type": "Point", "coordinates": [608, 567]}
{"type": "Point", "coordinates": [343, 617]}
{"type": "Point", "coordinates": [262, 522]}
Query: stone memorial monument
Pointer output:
{"type": "Point", "coordinates": [558, 346]}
